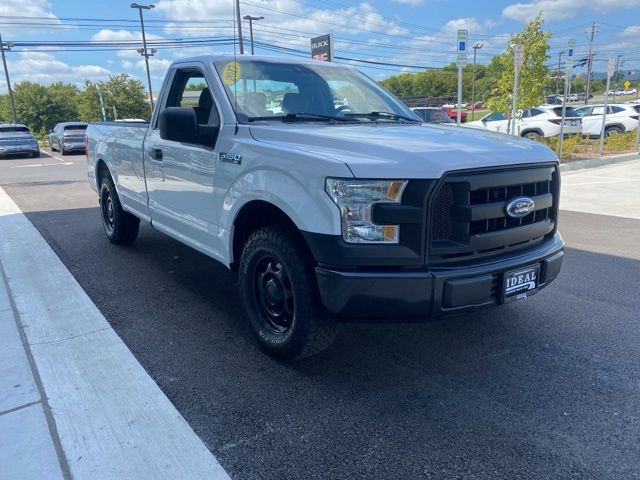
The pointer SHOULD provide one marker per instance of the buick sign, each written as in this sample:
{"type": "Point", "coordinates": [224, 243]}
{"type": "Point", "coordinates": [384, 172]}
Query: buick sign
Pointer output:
{"type": "Point", "coordinates": [322, 48]}
{"type": "Point", "coordinates": [520, 207]}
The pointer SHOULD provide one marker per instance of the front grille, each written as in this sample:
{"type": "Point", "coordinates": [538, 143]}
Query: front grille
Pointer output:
{"type": "Point", "coordinates": [468, 216]}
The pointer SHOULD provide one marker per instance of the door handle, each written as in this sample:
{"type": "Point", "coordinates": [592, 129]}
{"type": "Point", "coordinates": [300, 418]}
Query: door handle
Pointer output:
{"type": "Point", "coordinates": [156, 154]}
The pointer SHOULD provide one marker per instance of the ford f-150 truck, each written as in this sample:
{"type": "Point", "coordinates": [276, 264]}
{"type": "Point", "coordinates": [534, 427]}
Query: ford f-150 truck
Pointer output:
{"type": "Point", "coordinates": [329, 197]}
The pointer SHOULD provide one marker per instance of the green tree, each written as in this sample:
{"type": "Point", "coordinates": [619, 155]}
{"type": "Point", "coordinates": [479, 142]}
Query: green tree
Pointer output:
{"type": "Point", "coordinates": [533, 73]}
{"type": "Point", "coordinates": [40, 107]}
{"type": "Point", "coordinates": [122, 91]}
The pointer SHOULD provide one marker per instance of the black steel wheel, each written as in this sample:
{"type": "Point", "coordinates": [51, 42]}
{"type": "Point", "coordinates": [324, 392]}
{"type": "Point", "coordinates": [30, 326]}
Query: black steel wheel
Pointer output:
{"type": "Point", "coordinates": [120, 227]}
{"type": "Point", "coordinates": [280, 295]}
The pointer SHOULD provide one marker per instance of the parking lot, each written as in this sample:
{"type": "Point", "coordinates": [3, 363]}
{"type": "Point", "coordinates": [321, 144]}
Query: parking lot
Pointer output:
{"type": "Point", "coordinates": [544, 388]}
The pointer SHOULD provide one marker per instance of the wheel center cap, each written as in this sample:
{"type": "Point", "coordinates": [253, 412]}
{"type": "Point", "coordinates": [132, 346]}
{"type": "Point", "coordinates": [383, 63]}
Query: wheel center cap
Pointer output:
{"type": "Point", "coordinates": [274, 292]}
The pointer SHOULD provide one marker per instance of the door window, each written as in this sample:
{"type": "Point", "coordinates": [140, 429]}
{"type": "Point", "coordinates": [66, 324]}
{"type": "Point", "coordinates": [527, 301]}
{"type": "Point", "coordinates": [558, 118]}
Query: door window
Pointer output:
{"type": "Point", "coordinates": [189, 89]}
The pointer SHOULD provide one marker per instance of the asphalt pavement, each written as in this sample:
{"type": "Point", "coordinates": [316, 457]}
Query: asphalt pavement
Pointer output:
{"type": "Point", "coordinates": [544, 388]}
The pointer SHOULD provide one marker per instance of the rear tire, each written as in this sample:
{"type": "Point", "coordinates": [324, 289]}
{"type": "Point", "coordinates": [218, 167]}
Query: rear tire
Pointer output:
{"type": "Point", "coordinates": [35, 154]}
{"type": "Point", "coordinates": [120, 227]}
{"type": "Point", "coordinates": [280, 297]}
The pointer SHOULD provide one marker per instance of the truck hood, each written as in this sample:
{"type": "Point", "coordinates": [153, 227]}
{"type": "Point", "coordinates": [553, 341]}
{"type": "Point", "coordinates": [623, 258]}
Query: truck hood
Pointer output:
{"type": "Point", "coordinates": [403, 151]}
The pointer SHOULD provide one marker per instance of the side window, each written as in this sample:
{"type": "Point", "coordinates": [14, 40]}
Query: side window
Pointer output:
{"type": "Point", "coordinates": [597, 111]}
{"type": "Point", "coordinates": [534, 112]}
{"type": "Point", "coordinates": [189, 89]}
{"type": "Point", "coordinates": [615, 109]}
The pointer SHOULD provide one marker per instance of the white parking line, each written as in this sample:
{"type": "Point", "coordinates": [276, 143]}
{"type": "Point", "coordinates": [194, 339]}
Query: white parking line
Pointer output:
{"type": "Point", "coordinates": [50, 154]}
{"type": "Point", "coordinates": [111, 419]}
{"type": "Point", "coordinates": [43, 165]}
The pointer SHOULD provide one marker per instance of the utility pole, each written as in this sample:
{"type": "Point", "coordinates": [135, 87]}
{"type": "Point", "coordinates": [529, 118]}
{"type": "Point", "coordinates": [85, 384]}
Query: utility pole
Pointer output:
{"type": "Point", "coordinates": [145, 53]}
{"type": "Point", "coordinates": [239, 24]}
{"type": "Point", "coordinates": [251, 19]}
{"type": "Point", "coordinates": [562, 52]}
{"type": "Point", "coordinates": [618, 75]}
{"type": "Point", "coordinates": [476, 47]}
{"type": "Point", "coordinates": [590, 67]}
{"type": "Point", "coordinates": [6, 75]}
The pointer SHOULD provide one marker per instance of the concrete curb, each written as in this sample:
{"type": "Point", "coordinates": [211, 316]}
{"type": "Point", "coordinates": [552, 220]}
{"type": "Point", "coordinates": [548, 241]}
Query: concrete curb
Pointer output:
{"type": "Point", "coordinates": [598, 162]}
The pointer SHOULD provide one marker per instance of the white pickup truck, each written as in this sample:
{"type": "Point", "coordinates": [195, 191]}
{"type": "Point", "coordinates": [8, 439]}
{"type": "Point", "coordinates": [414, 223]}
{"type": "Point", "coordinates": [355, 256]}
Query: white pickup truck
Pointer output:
{"type": "Point", "coordinates": [332, 200]}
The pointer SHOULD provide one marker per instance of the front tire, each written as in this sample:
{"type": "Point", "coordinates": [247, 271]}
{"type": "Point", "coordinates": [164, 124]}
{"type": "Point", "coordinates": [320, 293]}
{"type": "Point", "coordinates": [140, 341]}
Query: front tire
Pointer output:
{"type": "Point", "coordinates": [120, 227]}
{"type": "Point", "coordinates": [532, 135]}
{"type": "Point", "coordinates": [280, 298]}
{"type": "Point", "coordinates": [612, 131]}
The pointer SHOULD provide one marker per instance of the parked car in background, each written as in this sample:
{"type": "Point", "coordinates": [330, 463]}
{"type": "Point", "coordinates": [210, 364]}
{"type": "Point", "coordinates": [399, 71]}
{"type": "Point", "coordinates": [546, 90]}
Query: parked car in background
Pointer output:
{"type": "Point", "coordinates": [554, 99]}
{"type": "Point", "coordinates": [17, 139]}
{"type": "Point", "coordinates": [67, 137]}
{"type": "Point", "coordinates": [532, 123]}
{"type": "Point", "coordinates": [452, 112]}
{"type": "Point", "coordinates": [631, 91]}
{"type": "Point", "coordinates": [621, 117]}
{"type": "Point", "coordinates": [433, 114]}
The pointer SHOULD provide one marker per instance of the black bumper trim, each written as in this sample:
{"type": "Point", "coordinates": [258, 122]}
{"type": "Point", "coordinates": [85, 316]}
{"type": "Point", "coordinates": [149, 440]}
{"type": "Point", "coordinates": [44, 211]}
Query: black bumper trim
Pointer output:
{"type": "Point", "coordinates": [404, 294]}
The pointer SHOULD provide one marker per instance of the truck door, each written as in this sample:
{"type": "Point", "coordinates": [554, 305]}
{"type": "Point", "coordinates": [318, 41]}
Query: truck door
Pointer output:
{"type": "Point", "coordinates": [180, 175]}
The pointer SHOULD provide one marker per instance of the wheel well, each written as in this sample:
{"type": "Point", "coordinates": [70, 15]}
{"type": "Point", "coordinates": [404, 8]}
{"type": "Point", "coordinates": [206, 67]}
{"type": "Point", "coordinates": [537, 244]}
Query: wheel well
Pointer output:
{"type": "Point", "coordinates": [615, 125]}
{"type": "Point", "coordinates": [258, 214]}
{"type": "Point", "coordinates": [532, 130]}
{"type": "Point", "coordinates": [101, 171]}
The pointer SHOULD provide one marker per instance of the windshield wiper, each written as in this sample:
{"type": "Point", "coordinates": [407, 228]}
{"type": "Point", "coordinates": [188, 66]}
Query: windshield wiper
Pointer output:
{"type": "Point", "coordinates": [300, 117]}
{"type": "Point", "coordinates": [385, 115]}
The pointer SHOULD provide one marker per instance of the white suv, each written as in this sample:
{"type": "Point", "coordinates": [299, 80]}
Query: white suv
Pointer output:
{"type": "Point", "coordinates": [532, 123]}
{"type": "Point", "coordinates": [621, 117]}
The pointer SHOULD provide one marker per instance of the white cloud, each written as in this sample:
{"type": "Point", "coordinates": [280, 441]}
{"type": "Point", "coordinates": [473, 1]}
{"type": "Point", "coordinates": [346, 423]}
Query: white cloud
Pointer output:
{"type": "Point", "coordinates": [297, 17]}
{"type": "Point", "coordinates": [562, 9]}
{"type": "Point", "coordinates": [106, 35]}
{"type": "Point", "coordinates": [26, 8]}
{"type": "Point", "coordinates": [43, 67]}
{"type": "Point", "coordinates": [469, 23]}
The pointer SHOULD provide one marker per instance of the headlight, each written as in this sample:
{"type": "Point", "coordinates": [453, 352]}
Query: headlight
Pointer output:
{"type": "Point", "coordinates": [355, 199]}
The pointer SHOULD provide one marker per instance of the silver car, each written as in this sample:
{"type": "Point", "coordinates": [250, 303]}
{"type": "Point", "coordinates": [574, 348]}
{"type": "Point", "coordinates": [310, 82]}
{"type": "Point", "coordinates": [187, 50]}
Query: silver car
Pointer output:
{"type": "Point", "coordinates": [17, 139]}
{"type": "Point", "coordinates": [67, 136]}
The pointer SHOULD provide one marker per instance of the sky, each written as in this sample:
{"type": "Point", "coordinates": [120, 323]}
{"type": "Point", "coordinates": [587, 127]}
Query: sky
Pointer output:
{"type": "Point", "coordinates": [400, 35]}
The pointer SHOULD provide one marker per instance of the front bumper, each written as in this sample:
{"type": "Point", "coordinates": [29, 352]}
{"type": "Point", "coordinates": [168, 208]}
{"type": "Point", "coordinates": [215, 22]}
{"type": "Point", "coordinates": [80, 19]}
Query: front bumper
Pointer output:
{"type": "Point", "coordinates": [430, 293]}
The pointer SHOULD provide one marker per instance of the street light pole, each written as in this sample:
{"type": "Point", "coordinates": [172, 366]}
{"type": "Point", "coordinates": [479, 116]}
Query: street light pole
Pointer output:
{"type": "Point", "coordinates": [476, 47]}
{"type": "Point", "coordinates": [145, 54]}
{"type": "Point", "coordinates": [251, 19]}
{"type": "Point", "coordinates": [562, 52]}
{"type": "Point", "coordinates": [6, 75]}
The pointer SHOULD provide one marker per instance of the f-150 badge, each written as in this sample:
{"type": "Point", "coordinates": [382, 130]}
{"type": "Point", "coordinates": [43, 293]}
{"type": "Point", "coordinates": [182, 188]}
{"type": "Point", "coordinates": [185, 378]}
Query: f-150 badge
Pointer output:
{"type": "Point", "coordinates": [230, 158]}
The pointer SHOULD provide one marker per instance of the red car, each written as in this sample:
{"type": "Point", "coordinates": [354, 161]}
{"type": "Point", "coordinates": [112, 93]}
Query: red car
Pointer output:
{"type": "Point", "coordinates": [453, 114]}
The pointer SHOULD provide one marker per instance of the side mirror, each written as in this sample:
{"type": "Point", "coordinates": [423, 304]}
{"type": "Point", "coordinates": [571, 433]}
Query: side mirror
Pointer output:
{"type": "Point", "coordinates": [179, 124]}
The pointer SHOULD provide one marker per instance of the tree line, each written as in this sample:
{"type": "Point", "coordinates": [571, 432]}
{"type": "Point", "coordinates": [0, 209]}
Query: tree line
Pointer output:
{"type": "Point", "coordinates": [42, 106]}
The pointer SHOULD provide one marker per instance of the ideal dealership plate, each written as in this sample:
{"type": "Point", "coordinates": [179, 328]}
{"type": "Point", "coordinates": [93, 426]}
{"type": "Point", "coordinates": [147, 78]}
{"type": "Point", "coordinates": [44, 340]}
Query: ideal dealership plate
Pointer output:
{"type": "Point", "coordinates": [520, 283]}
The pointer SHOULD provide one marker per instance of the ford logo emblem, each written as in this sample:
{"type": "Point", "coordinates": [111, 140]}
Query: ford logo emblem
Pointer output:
{"type": "Point", "coordinates": [520, 207]}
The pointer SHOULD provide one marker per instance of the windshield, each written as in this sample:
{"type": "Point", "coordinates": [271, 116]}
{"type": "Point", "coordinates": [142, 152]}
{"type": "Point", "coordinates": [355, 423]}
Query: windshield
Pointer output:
{"type": "Point", "coordinates": [264, 90]}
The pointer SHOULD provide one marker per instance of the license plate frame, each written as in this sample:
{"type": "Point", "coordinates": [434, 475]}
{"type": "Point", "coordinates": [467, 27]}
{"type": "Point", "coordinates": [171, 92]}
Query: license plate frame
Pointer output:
{"type": "Point", "coordinates": [520, 283]}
